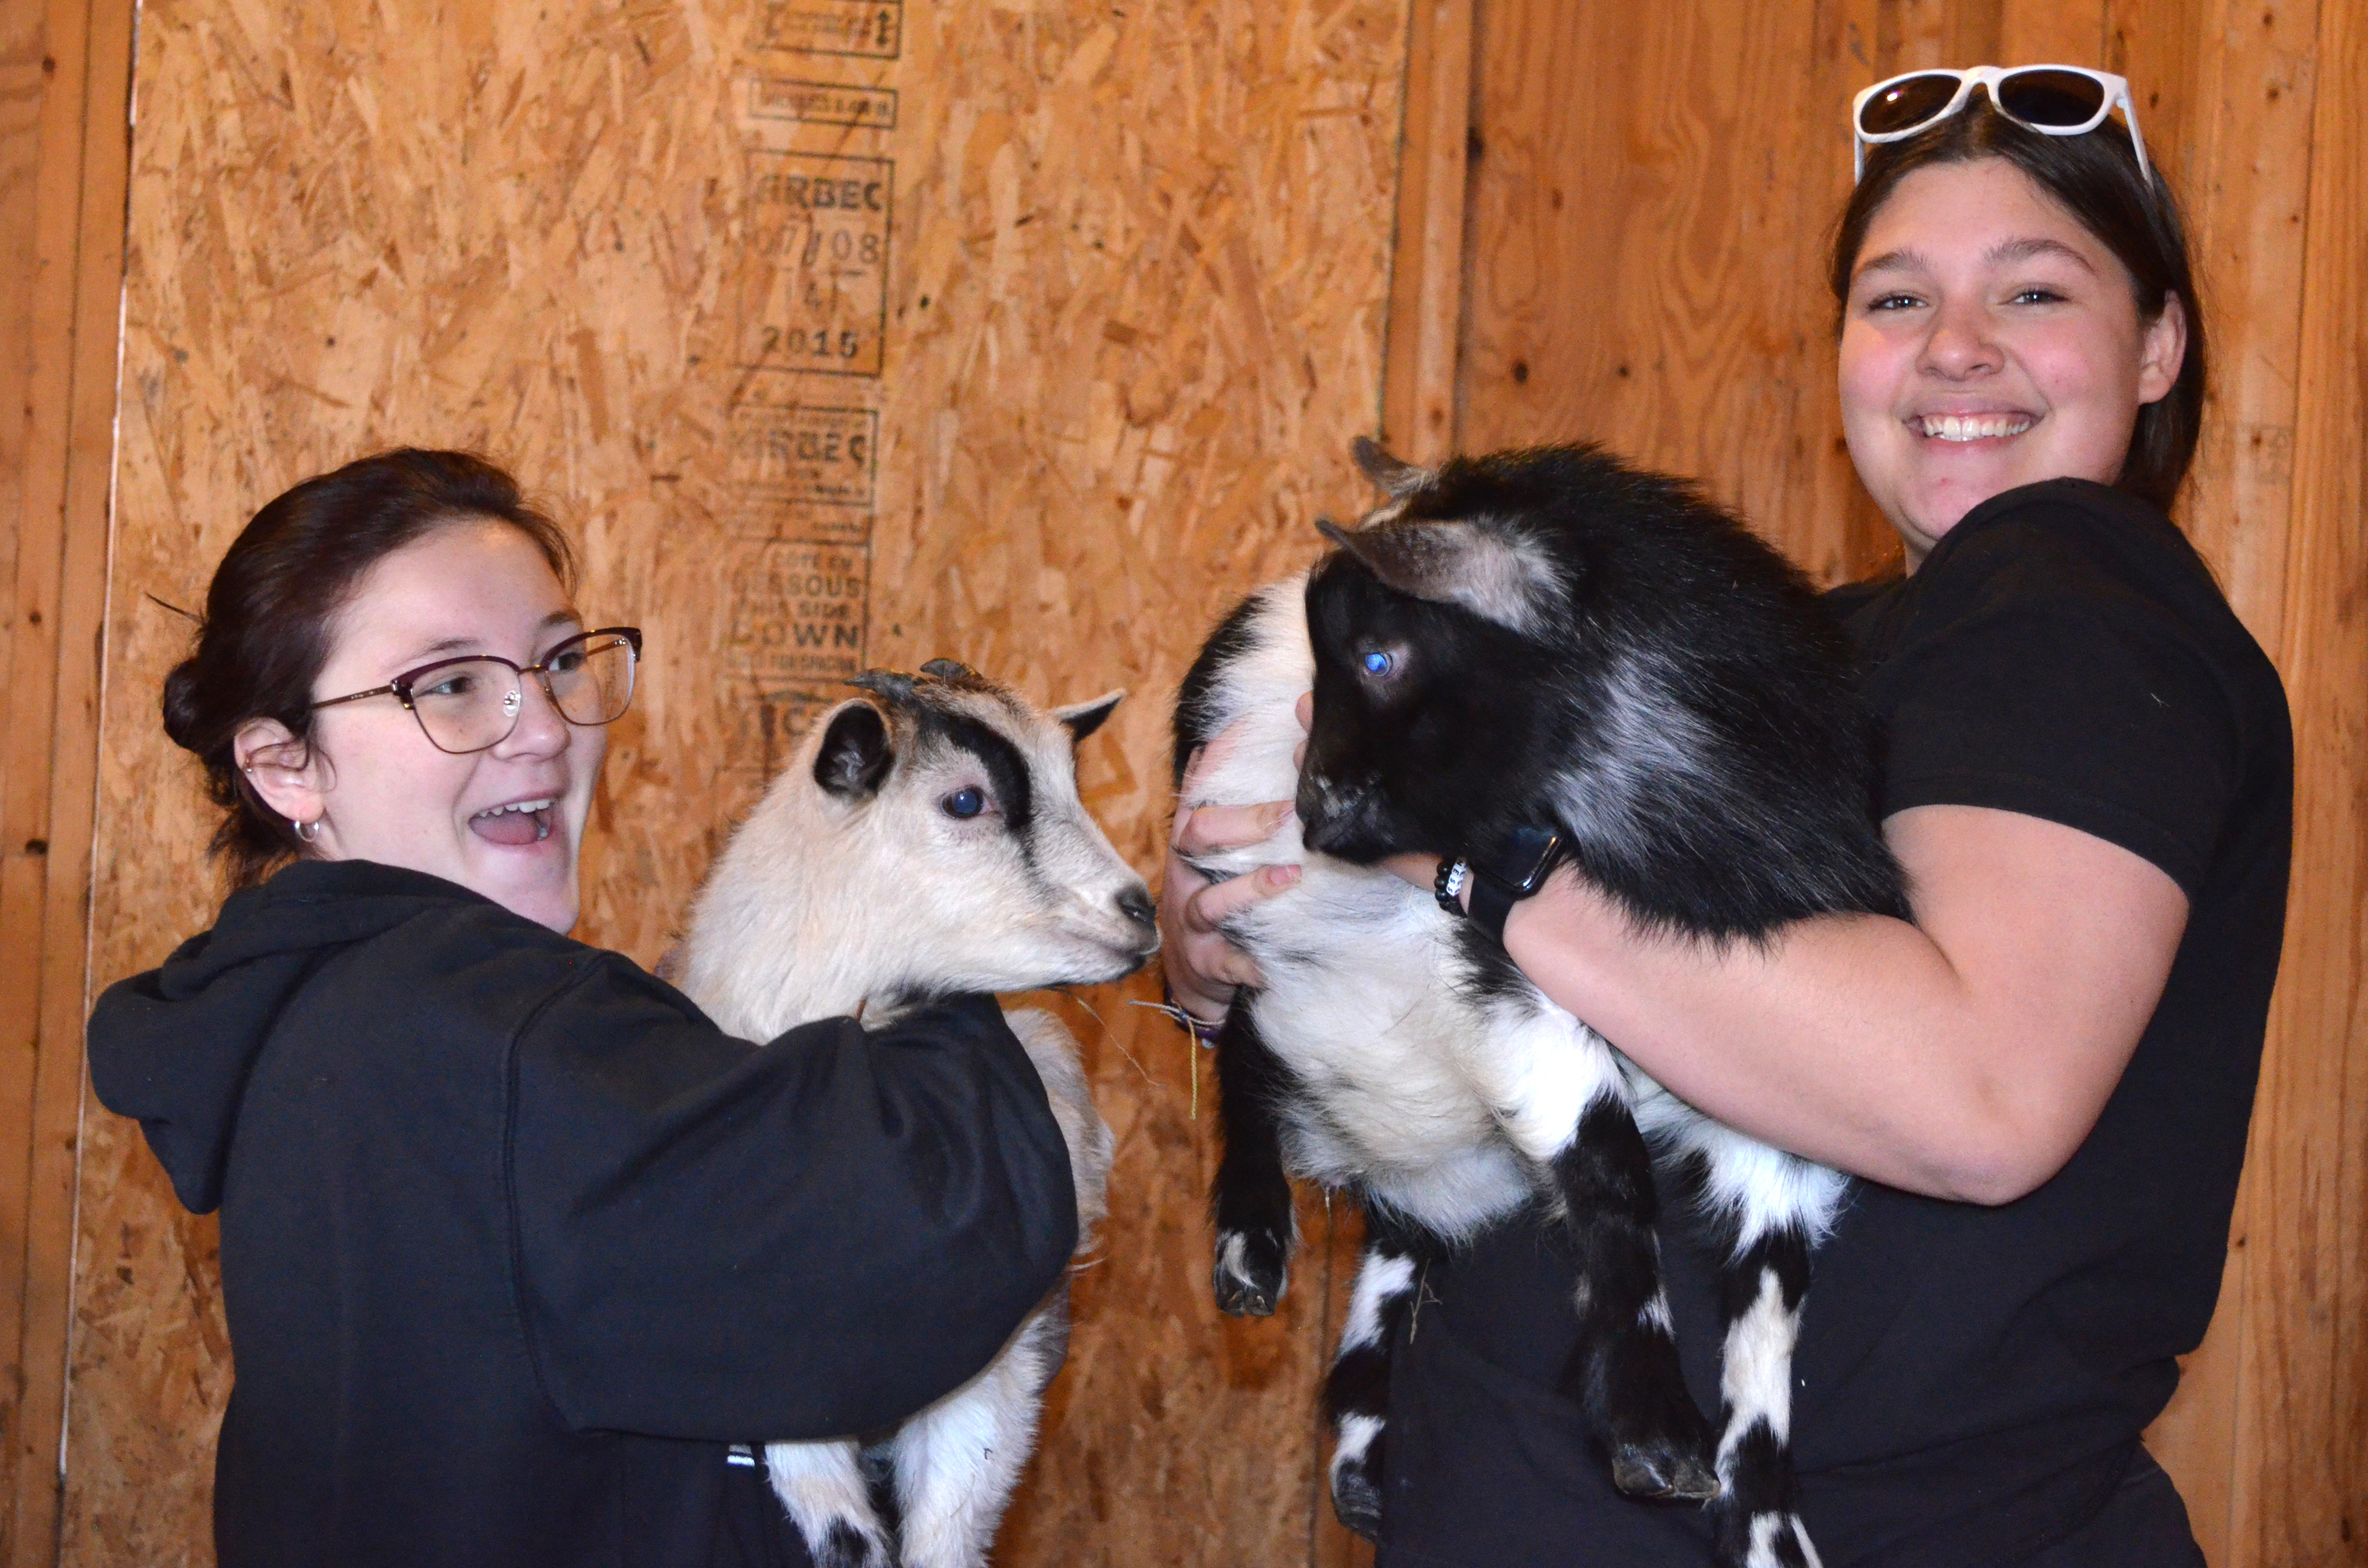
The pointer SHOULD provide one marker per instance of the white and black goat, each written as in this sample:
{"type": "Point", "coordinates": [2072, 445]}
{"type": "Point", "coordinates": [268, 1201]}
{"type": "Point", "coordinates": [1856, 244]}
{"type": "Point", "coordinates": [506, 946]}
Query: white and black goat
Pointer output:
{"type": "Point", "coordinates": [929, 842]}
{"type": "Point", "coordinates": [1536, 640]}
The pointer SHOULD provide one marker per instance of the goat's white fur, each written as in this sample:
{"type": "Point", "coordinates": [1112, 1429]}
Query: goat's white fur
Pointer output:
{"type": "Point", "coordinates": [1438, 1101]}
{"type": "Point", "coordinates": [822, 906]}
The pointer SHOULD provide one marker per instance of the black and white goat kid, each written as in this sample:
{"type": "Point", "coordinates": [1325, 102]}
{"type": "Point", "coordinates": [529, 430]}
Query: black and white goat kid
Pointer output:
{"type": "Point", "coordinates": [1541, 640]}
{"type": "Point", "coordinates": [927, 840]}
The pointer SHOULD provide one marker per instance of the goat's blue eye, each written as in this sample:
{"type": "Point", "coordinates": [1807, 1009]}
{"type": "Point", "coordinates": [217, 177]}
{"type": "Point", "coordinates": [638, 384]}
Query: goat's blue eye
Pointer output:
{"type": "Point", "coordinates": [1378, 663]}
{"type": "Point", "coordinates": [967, 802]}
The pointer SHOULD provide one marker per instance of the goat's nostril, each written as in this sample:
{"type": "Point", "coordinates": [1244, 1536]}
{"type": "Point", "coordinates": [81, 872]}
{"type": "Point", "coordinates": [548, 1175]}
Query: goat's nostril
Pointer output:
{"type": "Point", "coordinates": [1136, 906]}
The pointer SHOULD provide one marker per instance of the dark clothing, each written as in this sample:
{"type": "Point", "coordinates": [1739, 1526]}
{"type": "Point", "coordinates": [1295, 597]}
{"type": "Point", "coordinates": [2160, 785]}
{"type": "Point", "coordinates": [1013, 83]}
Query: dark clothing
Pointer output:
{"type": "Point", "coordinates": [1970, 1382]}
{"type": "Point", "coordinates": [514, 1240]}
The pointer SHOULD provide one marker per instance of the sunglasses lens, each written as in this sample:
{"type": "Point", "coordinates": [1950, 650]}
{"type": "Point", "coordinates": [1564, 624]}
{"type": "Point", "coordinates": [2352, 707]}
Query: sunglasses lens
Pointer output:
{"type": "Point", "coordinates": [1907, 103]}
{"type": "Point", "coordinates": [2053, 100]}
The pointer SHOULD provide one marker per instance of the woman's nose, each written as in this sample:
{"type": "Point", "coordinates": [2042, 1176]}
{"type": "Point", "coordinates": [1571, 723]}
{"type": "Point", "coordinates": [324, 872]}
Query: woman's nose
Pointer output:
{"type": "Point", "coordinates": [539, 731]}
{"type": "Point", "coordinates": [1961, 342]}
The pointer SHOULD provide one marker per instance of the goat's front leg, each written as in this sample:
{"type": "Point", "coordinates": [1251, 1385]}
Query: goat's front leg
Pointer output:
{"type": "Point", "coordinates": [1564, 1101]}
{"type": "Point", "coordinates": [957, 1461]}
{"type": "Point", "coordinates": [1357, 1394]}
{"type": "Point", "coordinates": [1250, 1200]}
{"type": "Point", "coordinates": [822, 1487]}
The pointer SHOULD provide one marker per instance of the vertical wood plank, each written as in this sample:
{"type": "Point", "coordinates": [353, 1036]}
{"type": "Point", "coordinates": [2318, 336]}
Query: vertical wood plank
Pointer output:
{"type": "Point", "coordinates": [61, 374]}
{"type": "Point", "coordinates": [2301, 1439]}
{"type": "Point", "coordinates": [2226, 92]}
{"type": "Point", "coordinates": [1418, 408]}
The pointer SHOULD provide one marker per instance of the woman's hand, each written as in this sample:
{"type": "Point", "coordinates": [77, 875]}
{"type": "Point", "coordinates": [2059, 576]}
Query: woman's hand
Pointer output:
{"type": "Point", "coordinates": [1203, 968]}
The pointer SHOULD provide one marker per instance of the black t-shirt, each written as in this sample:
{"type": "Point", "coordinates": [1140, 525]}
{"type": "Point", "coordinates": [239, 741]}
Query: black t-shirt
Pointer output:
{"type": "Point", "coordinates": [1970, 1382]}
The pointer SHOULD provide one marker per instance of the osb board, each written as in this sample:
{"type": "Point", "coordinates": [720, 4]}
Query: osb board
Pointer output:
{"type": "Point", "coordinates": [1097, 290]}
{"type": "Point", "coordinates": [1693, 329]}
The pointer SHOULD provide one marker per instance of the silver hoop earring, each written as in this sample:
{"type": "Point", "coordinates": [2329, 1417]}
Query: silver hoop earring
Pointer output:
{"type": "Point", "coordinates": [307, 831]}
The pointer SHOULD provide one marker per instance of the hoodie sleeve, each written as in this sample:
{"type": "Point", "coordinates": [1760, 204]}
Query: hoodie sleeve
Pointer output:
{"type": "Point", "coordinates": [805, 1239]}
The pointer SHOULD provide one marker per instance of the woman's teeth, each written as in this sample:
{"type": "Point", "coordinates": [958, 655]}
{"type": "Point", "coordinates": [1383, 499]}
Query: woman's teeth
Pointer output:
{"type": "Point", "coordinates": [1972, 426]}
{"type": "Point", "coordinates": [521, 821]}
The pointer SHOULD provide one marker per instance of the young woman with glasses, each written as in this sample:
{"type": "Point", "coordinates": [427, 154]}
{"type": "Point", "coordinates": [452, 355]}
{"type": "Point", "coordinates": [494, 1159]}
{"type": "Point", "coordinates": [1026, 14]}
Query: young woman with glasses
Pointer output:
{"type": "Point", "coordinates": [2044, 1080]}
{"type": "Point", "coordinates": [515, 1245]}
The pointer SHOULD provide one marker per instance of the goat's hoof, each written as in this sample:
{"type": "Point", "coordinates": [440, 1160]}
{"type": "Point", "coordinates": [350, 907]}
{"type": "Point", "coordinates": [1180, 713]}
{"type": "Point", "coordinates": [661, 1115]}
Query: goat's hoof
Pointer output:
{"type": "Point", "coordinates": [1662, 1472]}
{"type": "Point", "coordinates": [1250, 1273]}
{"type": "Point", "coordinates": [1357, 1501]}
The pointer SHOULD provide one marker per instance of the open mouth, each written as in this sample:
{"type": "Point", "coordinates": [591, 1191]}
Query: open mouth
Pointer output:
{"type": "Point", "coordinates": [1971, 427]}
{"type": "Point", "coordinates": [519, 822]}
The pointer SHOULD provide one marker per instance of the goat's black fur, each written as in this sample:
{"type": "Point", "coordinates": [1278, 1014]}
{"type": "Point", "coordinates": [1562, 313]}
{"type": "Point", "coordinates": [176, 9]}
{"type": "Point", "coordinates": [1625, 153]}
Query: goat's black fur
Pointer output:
{"type": "Point", "coordinates": [1544, 638]}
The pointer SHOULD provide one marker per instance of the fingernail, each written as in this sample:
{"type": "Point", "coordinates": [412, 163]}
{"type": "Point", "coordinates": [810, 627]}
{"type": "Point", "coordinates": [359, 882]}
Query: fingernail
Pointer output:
{"type": "Point", "coordinates": [1281, 877]}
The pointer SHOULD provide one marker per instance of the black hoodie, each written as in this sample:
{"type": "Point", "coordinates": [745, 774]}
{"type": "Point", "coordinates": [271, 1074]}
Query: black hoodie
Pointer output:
{"type": "Point", "coordinates": [515, 1241]}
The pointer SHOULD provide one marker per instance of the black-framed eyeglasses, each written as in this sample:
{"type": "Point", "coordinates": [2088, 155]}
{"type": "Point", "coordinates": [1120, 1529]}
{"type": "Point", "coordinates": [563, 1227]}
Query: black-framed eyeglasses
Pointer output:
{"type": "Point", "coordinates": [472, 703]}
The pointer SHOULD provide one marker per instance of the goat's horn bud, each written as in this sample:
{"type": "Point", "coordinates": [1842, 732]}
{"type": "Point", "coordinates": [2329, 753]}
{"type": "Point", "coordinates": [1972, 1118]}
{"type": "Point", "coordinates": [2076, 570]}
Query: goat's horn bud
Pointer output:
{"type": "Point", "coordinates": [893, 685]}
{"type": "Point", "coordinates": [950, 670]}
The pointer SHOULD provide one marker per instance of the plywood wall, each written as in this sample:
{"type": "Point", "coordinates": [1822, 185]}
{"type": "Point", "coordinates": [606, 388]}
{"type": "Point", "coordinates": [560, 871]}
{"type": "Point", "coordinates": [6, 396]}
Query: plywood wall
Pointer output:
{"type": "Point", "coordinates": [1028, 330]}
{"type": "Point", "coordinates": [1650, 194]}
{"type": "Point", "coordinates": [844, 335]}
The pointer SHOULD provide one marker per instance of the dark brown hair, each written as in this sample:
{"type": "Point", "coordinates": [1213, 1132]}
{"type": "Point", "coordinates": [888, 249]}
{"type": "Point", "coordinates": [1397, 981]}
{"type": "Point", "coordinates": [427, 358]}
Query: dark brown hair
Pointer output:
{"type": "Point", "coordinates": [266, 629]}
{"type": "Point", "coordinates": [2094, 176]}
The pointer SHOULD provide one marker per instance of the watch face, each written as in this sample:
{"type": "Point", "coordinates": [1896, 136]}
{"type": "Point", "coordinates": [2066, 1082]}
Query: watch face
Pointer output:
{"type": "Point", "coordinates": [1530, 855]}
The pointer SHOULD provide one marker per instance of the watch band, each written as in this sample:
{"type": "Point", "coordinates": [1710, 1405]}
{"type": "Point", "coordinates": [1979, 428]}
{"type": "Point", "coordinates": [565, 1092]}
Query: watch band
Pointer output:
{"type": "Point", "coordinates": [1517, 870]}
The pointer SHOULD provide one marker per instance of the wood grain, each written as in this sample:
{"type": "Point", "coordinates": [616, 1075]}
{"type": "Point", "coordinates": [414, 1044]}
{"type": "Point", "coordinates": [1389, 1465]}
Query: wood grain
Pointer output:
{"type": "Point", "coordinates": [65, 77]}
{"type": "Point", "coordinates": [2301, 1453]}
{"type": "Point", "coordinates": [1419, 380]}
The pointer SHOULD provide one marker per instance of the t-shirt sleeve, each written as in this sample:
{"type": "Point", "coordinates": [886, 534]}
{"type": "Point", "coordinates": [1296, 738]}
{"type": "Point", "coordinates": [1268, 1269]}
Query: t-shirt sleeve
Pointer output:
{"type": "Point", "coordinates": [805, 1239]}
{"type": "Point", "coordinates": [2039, 681]}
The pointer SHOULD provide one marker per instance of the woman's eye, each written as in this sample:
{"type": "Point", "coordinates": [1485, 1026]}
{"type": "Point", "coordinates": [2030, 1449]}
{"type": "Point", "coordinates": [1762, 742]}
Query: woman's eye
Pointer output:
{"type": "Point", "coordinates": [566, 663]}
{"type": "Point", "coordinates": [2037, 296]}
{"type": "Point", "coordinates": [1380, 665]}
{"type": "Point", "coordinates": [449, 686]}
{"type": "Point", "coordinates": [965, 803]}
{"type": "Point", "coordinates": [1894, 302]}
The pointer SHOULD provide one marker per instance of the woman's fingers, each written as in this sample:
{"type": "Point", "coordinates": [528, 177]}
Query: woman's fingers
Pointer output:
{"type": "Point", "coordinates": [1213, 828]}
{"type": "Point", "coordinates": [1203, 968]}
{"type": "Point", "coordinates": [1207, 909]}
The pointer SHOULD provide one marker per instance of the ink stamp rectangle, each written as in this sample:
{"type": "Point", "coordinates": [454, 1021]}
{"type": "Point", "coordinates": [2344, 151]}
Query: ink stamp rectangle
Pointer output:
{"type": "Point", "coordinates": [822, 103]}
{"type": "Point", "coordinates": [872, 28]}
{"type": "Point", "coordinates": [799, 611]}
{"type": "Point", "coordinates": [816, 287]}
{"type": "Point", "coordinates": [798, 452]}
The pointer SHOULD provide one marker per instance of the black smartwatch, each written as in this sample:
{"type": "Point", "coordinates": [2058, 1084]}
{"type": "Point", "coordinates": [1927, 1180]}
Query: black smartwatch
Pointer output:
{"type": "Point", "coordinates": [1515, 869]}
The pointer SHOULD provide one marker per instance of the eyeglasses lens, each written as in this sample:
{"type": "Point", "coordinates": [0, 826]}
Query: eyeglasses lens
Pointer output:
{"type": "Point", "coordinates": [468, 705]}
{"type": "Point", "coordinates": [593, 680]}
{"type": "Point", "coordinates": [2058, 100]}
{"type": "Point", "coordinates": [1906, 104]}
{"type": "Point", "coordinates": [475, 703]}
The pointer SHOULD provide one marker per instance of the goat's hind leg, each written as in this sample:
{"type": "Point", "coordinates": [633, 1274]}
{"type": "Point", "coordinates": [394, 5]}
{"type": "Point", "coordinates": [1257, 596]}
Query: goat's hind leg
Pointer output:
{"type": "Point", "coordinates": [1356, 1392]}
{"type": "Point", "coordinates": [957, 1461]}
{"type": "Point", "coordinates": [1767, 1209]}
{"type": "Point", "coordinates": [823, 1486]}
{"type": "Point", "coordinates": [1250, 1198]}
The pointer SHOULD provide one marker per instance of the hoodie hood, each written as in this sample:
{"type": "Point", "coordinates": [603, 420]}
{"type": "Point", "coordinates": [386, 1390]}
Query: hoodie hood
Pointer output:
{"type": "Point", "coordinates": [173, 1047]}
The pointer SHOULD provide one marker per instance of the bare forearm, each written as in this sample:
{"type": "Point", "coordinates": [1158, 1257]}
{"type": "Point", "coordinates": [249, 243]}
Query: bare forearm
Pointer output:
{"type": "Point", "coordinates": [1852, 1039]}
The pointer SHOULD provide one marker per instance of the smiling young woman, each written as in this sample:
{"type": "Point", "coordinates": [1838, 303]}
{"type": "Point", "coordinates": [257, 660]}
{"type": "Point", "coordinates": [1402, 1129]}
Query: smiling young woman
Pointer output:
{"type": "Point", "coordinates": [515, 1243]}
{"type": "Point", "coordinates": [2044, 1079]}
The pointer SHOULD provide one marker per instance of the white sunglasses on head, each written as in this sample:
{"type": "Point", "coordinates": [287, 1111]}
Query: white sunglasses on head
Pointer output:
{"type": "Point", "coordinates": [2054, 100]}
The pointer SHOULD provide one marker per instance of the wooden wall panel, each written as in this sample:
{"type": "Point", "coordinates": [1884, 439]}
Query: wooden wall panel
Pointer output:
{"type": "Point", "coordinates": [64, 71]}
{"type": "Point", "coordinates": [1078, 361]}
{"type": "Point", "coordinates": [1633, 277]}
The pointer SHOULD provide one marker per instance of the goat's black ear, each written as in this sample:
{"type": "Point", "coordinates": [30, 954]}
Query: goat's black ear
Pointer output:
{"type": "Point", "coordinates": [1085, 718]}
{"type": "Point", "coordinates": [1395, 477]}
{"type": "Point", "coordinates": [855, 755]}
